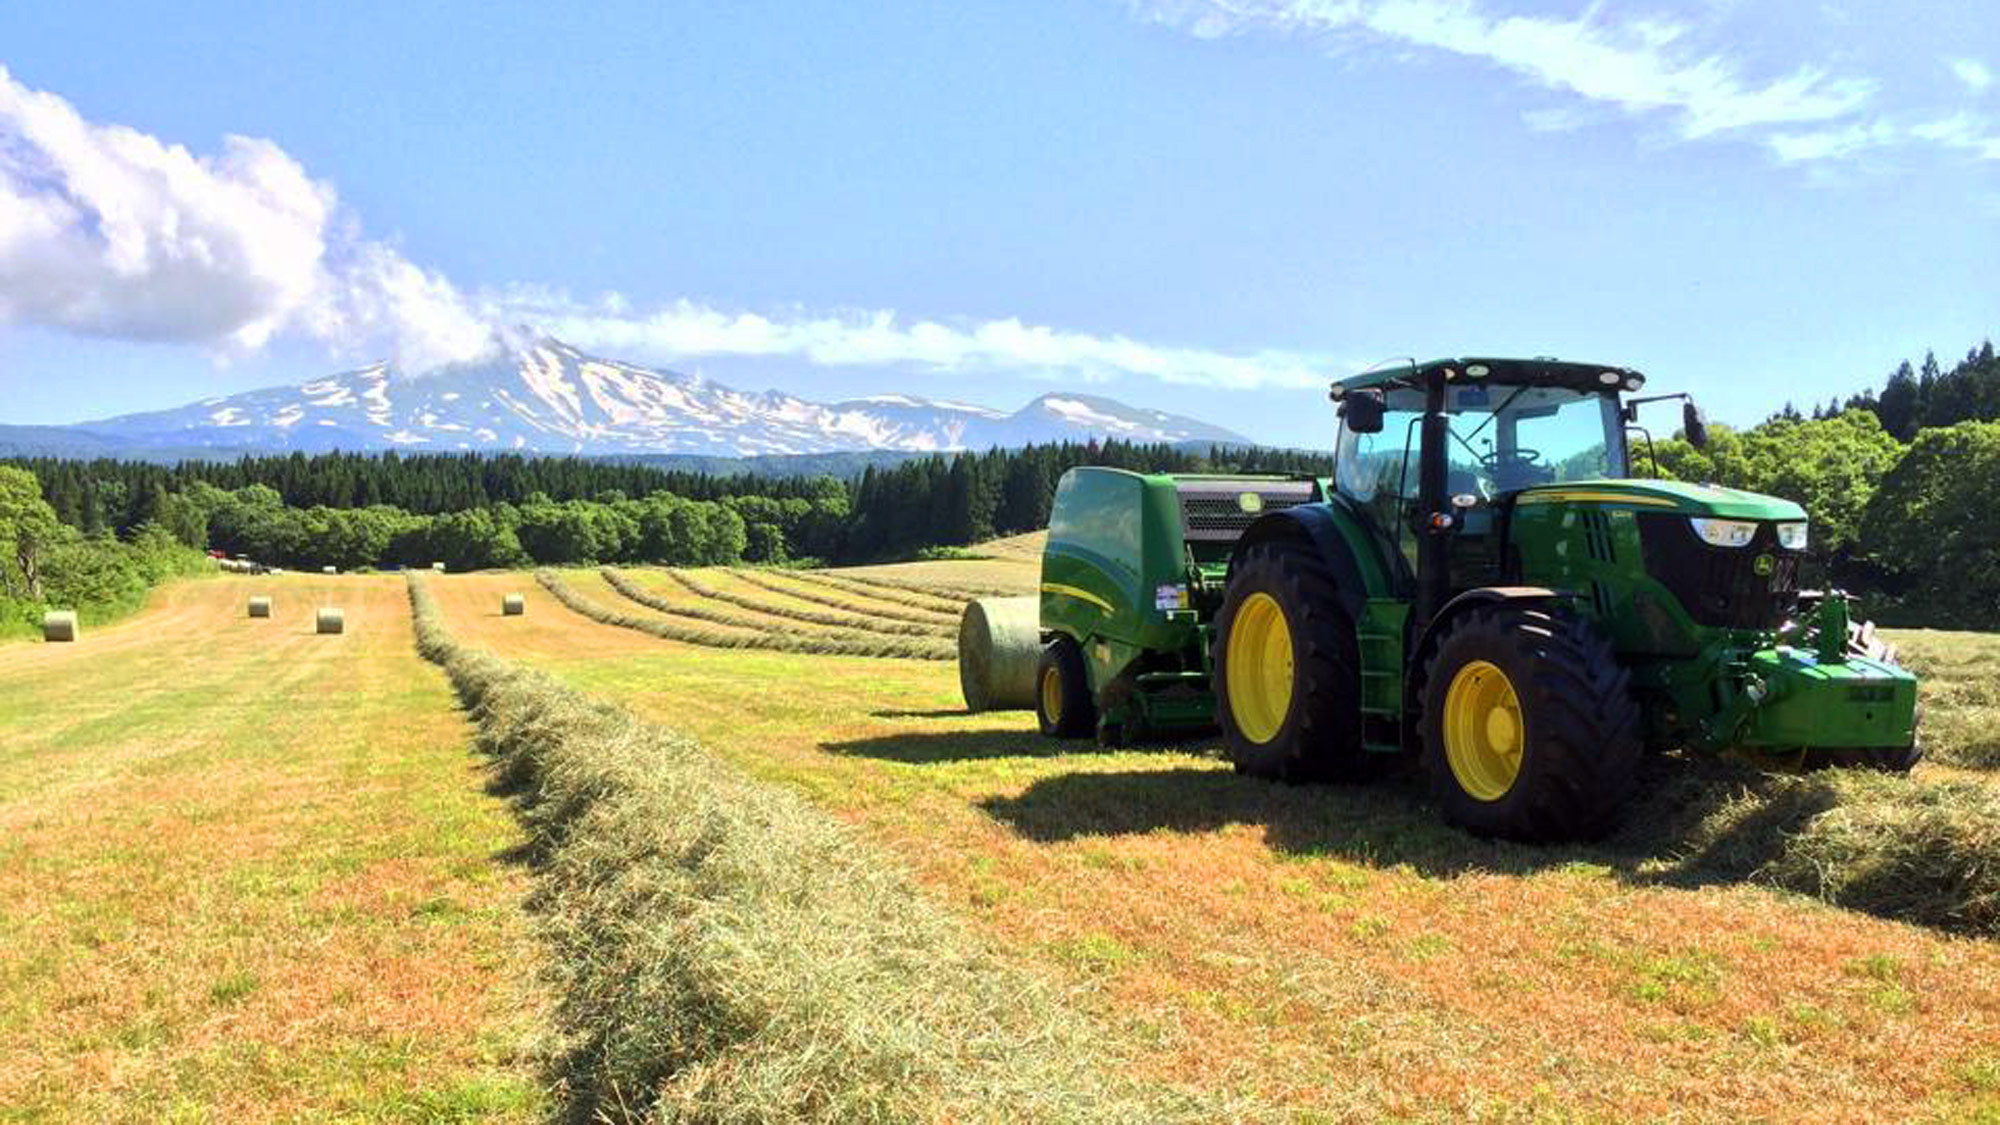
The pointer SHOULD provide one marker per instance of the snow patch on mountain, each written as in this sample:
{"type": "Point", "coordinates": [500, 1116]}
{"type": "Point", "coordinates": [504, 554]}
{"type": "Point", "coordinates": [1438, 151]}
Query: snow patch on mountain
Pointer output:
{"type": "Point", "coordinates": [550, 397]}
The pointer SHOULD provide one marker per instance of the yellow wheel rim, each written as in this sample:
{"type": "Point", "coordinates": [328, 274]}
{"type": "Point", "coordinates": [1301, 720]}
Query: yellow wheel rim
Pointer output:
{"type": "Point", "coordinates": [1258, 660]}
{"type": "Point", "coordinates": [1052, 694]}
{"type": "Point", "coordinates": [1483, 732]}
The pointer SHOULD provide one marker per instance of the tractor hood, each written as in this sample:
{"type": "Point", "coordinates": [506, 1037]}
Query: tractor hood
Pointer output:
{"type": "Point", "coordinates": [1666, 496]}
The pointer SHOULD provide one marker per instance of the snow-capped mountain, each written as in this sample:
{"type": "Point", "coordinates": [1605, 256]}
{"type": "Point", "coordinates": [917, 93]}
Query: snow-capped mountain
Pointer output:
{"type": "Point", "coordinates": [551, 398]}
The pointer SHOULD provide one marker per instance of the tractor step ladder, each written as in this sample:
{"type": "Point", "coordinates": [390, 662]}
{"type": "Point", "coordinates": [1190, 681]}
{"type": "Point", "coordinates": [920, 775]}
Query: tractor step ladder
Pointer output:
{"type": "Point", "coordinates": [1380, 637]}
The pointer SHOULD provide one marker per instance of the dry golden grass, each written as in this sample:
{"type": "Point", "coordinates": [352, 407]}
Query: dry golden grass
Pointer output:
{"type": "Point", "coordinates": [1336, 952]}
{"type": "Point", "coordinates": [252, 874]}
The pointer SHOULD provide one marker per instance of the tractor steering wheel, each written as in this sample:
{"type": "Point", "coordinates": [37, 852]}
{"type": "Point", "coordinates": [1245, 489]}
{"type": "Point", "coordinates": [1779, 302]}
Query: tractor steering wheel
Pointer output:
{"type": "Point", "coordinates": [1518, 456]}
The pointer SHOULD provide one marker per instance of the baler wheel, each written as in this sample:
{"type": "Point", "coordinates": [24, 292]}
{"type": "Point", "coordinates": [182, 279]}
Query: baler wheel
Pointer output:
{"type": "Point", "coordinates": [1062, 691]}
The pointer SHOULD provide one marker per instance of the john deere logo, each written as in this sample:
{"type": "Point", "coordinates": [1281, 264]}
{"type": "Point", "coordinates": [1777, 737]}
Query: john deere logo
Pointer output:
{"type": "Point", "coordinates": [1764, 565]}
{"type": "Point", "coordinates": [1250, 502]}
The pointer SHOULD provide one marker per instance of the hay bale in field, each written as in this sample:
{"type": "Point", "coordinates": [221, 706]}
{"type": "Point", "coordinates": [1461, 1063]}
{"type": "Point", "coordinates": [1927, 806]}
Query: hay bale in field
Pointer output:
{"type": "Point", "coordinates": [329, 570]}
{"type": "Point", "coordinates": [260, 607]}
{"type": "Point", "coordinates": [332, 621]}
{"type": "Point", "coordinates": [439, 567]}
{"type": "Point", "coordinates": [513, 605]}
{"type": "Point", "coordinates": [999, 644]}
{"type": "Point", "coordinates": [59, 625]}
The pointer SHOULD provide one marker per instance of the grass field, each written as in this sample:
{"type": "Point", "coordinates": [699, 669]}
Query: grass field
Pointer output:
{"type": "Point", "coordinates": [251, 873]}
{"type": "Point", "coordinates": [1331, 952]}
{"type": "Point", "coordinates": [1310, 954]}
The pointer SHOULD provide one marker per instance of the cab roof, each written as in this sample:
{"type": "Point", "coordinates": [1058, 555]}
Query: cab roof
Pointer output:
{"type": "Point", "coordinates": [1542, 371]}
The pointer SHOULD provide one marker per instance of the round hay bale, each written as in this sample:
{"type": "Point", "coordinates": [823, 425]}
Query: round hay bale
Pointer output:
{"type": "Point", "coordinates": [439, 567]}
{"type": "Point", "coordinates": [332, 621]}
{"type": "Point", "coordinates": [513, 605]}
{"type": "Point", "coordinates": [329, 570]}
{"type": "Point", "coordinates": [999, 644]}
{"type": "Point", "coordinates": [59, 625]}
{"type": "Point", "coordinates": [260, 607]}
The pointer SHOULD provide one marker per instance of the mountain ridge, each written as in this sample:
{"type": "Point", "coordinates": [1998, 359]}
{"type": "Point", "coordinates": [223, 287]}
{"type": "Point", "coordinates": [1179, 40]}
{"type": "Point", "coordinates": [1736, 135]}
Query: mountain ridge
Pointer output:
{"type": "Point", "coordinates": [551, 398]}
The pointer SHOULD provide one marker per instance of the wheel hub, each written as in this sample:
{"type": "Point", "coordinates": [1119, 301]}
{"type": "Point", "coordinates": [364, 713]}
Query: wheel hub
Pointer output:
{"type": "Point", "coordinates": [1483, 733]}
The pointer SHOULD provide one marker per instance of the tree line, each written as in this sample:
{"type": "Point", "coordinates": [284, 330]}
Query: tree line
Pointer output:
{"type": "Point", "coordinates": [1894, 482]}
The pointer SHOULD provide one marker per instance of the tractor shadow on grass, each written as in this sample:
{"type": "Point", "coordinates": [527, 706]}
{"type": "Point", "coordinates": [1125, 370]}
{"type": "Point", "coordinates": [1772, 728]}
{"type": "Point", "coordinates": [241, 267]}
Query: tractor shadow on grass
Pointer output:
{"type": "Point", "coordinates": [929, 748]}
{"type": "Point", "coordinates": [1693, 823]}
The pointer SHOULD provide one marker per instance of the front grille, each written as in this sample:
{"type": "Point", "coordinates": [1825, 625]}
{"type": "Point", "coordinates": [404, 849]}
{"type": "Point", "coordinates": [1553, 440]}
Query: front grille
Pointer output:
{"type": "Point", "coordinates": [1212, 511]}
{"type": "Point", "coordinates": [1721, 586]}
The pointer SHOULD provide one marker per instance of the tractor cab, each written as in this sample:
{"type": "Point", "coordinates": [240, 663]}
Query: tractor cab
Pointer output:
{"type": "Point", "coordinates": [1504, 426]}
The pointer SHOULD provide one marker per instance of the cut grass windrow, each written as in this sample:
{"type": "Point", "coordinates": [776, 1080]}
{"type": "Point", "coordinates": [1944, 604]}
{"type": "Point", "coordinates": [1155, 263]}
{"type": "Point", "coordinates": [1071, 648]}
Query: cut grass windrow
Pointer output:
{"type": "Point", "coordinates": [952, 591]}
{"type": "Point", "coordinates": [854, 619]}
{"type": "Point", "coordinates": [778, 627]}
{"type": "Point", "coordinates": [821, 595]}
{"type": "Point", "coordinates": [912, 648]}
{"type": "Point", "coordinates": [1915, 849]}
{"type": "Point", "coordinates": [724, 951]}
{"type": "Point", "coordinates": [716, 615]}
{"type": "Point", "coordinates": [929, 603]}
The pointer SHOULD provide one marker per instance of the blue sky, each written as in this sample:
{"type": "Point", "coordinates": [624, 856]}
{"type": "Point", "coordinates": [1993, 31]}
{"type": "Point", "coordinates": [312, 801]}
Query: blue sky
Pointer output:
{"type": "Point", "coordinates": [1208, 206]}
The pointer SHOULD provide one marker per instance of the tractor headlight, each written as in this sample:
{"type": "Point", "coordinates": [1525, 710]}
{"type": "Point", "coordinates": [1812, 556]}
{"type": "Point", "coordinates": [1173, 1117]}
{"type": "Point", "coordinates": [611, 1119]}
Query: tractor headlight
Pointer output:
{"type": "Point", "coordinates": [1792, 536]}
{"type": "Point", "coordinates": [1724, 533]}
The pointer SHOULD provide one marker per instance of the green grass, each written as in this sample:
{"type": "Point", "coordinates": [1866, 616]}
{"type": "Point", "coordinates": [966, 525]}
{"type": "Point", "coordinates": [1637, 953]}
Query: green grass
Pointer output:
{"type": "Point", "coordinates": [1959, 687]}
{"type": "Point", "coordinates": [217, 840]}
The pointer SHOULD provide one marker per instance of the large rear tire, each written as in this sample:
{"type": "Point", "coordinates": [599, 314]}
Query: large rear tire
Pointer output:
{"type": "Point", "coordinates": [1530, 727]}
{"type": "Point", "coordinates": [1062, 691]}
{"type": "Point", "coordinates": [1286, 670]}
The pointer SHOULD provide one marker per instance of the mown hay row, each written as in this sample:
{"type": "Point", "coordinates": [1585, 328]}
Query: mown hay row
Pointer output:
{"type": "Point", "coordinates": [929, 603]}
{"type": "Point", "coordinates": [820, 595]}
{"type": "Point", "coordinates": [721, 950]}
{"type": "Point", "coordinates": [952, 591]}
{"type": "Point", "coordinates": [777, 627]}
{"type": "Point", "coordinates": [1909, 848]}
{"type": "Point", "coordinates": [854, 619]}
{"type": "Point", "coordinates": [912, 648]}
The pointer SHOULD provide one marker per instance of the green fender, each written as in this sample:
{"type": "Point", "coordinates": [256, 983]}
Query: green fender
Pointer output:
{"type": "Point", "coordinates": [1340, 540]}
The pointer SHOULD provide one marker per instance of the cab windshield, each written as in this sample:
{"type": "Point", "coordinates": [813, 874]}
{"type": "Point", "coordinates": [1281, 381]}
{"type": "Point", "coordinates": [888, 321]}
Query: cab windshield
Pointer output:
{"type": "Point", "coordinates": [1504, 438]}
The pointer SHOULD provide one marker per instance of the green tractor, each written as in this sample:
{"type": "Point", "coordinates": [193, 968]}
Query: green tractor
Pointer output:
{"type": "Point", "coordinates": [1482, 583]}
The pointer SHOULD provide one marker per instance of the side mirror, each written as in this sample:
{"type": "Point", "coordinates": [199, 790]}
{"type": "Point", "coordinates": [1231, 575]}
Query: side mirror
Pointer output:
{"type": "Point", "coordinates": [1363, 411]}
{"type": "Point", "coordinates": [1694, 424]}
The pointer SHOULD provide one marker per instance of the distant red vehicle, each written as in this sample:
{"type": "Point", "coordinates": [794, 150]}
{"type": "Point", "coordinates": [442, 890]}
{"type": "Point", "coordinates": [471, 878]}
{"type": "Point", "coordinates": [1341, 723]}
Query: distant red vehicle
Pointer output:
{"type": "Point", "coordinates": [218, 554]}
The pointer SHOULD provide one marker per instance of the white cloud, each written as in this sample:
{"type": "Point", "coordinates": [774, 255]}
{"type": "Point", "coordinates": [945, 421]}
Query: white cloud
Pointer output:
{"type": "Point", "coordinates": [1964, 132]}
{"type": "Point", "coordinates": [690, 330]}
{"type": "Point", "coordinates": [1976, 75]}
{"type": "Point", "coordinates": [1638, 66]}
{"type": "Point", "coordinates": [1832, 144]}
{"type": "Point", "coordinates": [107, 231]}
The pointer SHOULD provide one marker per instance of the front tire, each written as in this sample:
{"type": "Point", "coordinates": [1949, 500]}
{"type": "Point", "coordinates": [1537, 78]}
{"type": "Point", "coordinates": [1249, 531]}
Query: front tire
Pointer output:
{"type": "Point", "coordinates": [1530, 728]}
{"type": "Point", "coordinates": [1062, 691]}
{"type": "Point", "coordinates": [1286, 673]}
